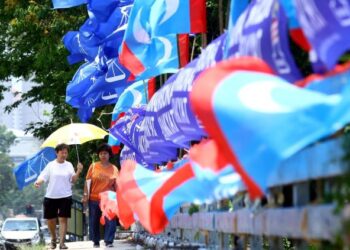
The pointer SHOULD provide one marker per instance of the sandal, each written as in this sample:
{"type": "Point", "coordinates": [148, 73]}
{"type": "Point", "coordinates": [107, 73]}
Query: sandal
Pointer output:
{"type": "Point", "coordinates": [63, 246]}
{"type": "Point", "coordinates": [53, 244]}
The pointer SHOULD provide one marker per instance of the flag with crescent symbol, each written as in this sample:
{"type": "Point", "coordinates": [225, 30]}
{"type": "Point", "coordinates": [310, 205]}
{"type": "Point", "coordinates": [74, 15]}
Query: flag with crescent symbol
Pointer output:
{"type": "Point", "coordinates": [258, 119]}
{"type": "Point", "coordinates": [150, 45]}
{"type": "Point", "coordinates": [155, 197]}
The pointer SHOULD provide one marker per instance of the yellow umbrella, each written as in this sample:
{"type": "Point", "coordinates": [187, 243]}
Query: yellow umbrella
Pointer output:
{"type": "Point", "coordinates": [74, 133]}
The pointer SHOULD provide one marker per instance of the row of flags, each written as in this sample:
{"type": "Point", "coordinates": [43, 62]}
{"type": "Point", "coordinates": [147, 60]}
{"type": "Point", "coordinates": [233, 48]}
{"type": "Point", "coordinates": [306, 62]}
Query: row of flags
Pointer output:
{"type": "Point", "coordinates": [245, 92]}
{"type": "Point", "coordinates": [154, 197]}
{"type": "Point", "coordinates": [237, 98]}
{"type": "Point", "coordinates": [152, 44]}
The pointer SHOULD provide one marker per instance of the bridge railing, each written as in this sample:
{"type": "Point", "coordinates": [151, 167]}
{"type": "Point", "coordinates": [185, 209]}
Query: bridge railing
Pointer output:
{"type": "Point", "coordinates": [295, 207]}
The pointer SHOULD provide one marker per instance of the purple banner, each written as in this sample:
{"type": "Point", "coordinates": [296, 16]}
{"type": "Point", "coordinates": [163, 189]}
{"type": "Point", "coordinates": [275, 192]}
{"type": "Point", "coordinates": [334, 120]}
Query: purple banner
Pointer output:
{"type": "Point", "coordinates": [169, 122]}
{"type": "Point", "coordinates": [262, 31]}
{"type": "Point", "coordinates": [326, 24]}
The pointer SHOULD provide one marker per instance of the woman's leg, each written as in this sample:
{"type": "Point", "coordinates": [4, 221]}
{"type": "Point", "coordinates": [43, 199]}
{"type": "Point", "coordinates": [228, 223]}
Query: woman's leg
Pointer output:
{"type": "Point", "coordinates": [64, 213]}
{"type": "Point", "coordinates": [110, 228]}
{"type": "Point", "coordinates": [63, 229]}
{"type": "Point", "coordinates": [94, 221]}
{"type": "Point", "coordinates": [51, 224]}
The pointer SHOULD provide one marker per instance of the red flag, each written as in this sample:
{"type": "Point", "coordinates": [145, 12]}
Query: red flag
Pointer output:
{"type": "Point", "coordinates": [198, 16]}
{"type": "Point", "coordinates": [108, 206]}
{"type": "Point", "coordinates": [184, 55]}
{"type": "Point", "coordinates": [125, 214]}
{"type": "Point", "coordinates": [151, 87]}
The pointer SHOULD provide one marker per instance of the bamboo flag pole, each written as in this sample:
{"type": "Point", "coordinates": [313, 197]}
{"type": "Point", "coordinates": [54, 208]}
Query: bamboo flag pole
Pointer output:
{"type": "Point", "coordinates": [221, 18]}
{"type": "Point", "coordinates": [204, 40]}
{"type": "Point", "coordinates": [228, 14]}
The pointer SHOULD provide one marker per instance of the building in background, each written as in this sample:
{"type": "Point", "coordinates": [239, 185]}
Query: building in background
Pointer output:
{"type": "Point", "coordinates": [19, 118]}
{"type": "Point", "coordinates": [25, 146]}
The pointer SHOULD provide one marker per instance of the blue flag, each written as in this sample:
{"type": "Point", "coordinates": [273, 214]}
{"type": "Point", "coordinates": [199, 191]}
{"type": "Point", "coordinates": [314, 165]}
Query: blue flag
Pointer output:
{"type": "Point", "coordinates": [143, 53]}
{"type": "Point", "coordinates": [93, 35]}
{"type": "Point", "coordinates": [85, 76]}
{"type": "Point", "coordinates": [61, 4]}
{"type": "Point", "coordinates": [236, 9]}
{"type": "Point", "coordinates": [103, 9]}
{"type": "Point", "coordinates": [105, 89]}
{"type": "Point", "coordinates": [78, 47]}
{"type": "Point", "coordinates": [258, 119]}
{"type": "Point", "coordinates": [28, 171]}
{"type": "Point", "coordinates": [134, 95]}
{"type": "Point", "coordinates": [326, 25]}
{"type": "Point", "coordinates": [265, 37]}
{"type": "Point", "coordinates": [117, 21]}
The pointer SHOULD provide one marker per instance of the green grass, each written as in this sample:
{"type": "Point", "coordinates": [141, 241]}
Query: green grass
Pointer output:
{"type": "Point", "coordinates": [37, 247]}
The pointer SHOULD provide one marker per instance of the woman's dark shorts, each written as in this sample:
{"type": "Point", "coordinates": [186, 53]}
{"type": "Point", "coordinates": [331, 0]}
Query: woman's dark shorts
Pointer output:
{"type": "Point", "coordinates": [54, 208]}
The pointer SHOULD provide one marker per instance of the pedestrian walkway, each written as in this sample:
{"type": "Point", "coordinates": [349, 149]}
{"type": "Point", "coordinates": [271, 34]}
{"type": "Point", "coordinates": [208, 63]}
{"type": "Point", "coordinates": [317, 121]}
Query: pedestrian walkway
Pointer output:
{"type": "Point", "coordinates": [118, 244]}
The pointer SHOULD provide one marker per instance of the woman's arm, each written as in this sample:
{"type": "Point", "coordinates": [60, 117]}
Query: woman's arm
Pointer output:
{"type": "Point", "coordinates": [79, 169]}
{"type": "Point", "coordinates": [85, 198]}
{"type": "Point", "coordinates": [38, 182]}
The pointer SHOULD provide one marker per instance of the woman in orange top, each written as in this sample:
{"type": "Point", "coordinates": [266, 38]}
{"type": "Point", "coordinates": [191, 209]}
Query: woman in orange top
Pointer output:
{"type": "Point", "coordinates": [103, 175]}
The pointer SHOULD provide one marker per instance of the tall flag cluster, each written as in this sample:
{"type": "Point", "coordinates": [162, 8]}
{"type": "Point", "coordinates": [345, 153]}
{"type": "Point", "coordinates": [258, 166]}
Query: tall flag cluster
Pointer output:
{"type": "Point", "coordinates": [152, 40]}
{"type": "Point", "coordinates": [127, 27]}
{"type": "Point", "coordinates": [245, 92]}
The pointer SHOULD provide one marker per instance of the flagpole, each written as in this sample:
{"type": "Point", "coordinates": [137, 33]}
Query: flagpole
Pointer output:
{"type": "Point", "coordinates": [221, 20]}
{"type": "Point", "coordinates": [193, 46]}
{"type": "Point", "coordinates": [76, 149]}
{"type": "Point", "coordinates": [145, 88]}
{"type": "Point", "coordinates": [228, 15]}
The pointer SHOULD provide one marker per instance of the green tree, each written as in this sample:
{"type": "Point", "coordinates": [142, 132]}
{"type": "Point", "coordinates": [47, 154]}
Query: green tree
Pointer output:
{"type": "Point", "coordinates": [31, 47]}
{"type": "Point", "coordinates": [6, 178]}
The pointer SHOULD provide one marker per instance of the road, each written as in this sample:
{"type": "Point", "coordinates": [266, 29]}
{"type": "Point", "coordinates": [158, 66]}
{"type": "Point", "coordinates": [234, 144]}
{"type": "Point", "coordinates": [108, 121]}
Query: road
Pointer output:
{"type": "Point", "coordinates": [118, 244]}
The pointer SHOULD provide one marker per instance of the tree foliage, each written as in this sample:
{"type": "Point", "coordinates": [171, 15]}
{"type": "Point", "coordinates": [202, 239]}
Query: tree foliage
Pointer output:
{"type": "Point", "coordinates": [31, 47]}
{"type": "Point", "coordinates": [6, 183]}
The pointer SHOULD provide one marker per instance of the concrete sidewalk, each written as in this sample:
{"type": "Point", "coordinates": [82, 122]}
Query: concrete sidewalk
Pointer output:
{"type": "Point", "coordinates": [118, 244]}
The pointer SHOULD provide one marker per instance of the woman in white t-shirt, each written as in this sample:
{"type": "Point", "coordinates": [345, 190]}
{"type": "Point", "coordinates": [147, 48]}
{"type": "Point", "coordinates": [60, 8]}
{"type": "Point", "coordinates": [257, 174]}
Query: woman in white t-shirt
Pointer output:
{"type": "Point", "coordinates": [60, 175]}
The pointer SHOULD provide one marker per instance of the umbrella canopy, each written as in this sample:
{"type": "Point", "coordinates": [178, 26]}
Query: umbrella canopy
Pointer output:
{"type": "Point", "coordinates": [74, 133]}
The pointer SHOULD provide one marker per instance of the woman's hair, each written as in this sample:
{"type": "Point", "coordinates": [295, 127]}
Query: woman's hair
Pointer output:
{"type": "Point", "coordinates": [60, 147]}
{"type": "Point", "coordinates": [105, 147]}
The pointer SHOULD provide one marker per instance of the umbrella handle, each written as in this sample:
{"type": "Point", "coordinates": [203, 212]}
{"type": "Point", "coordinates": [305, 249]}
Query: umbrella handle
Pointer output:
{"type": "Point", "coordinates": [76, 150]}
{"type": "Point", "coordinates": [76, 146]}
